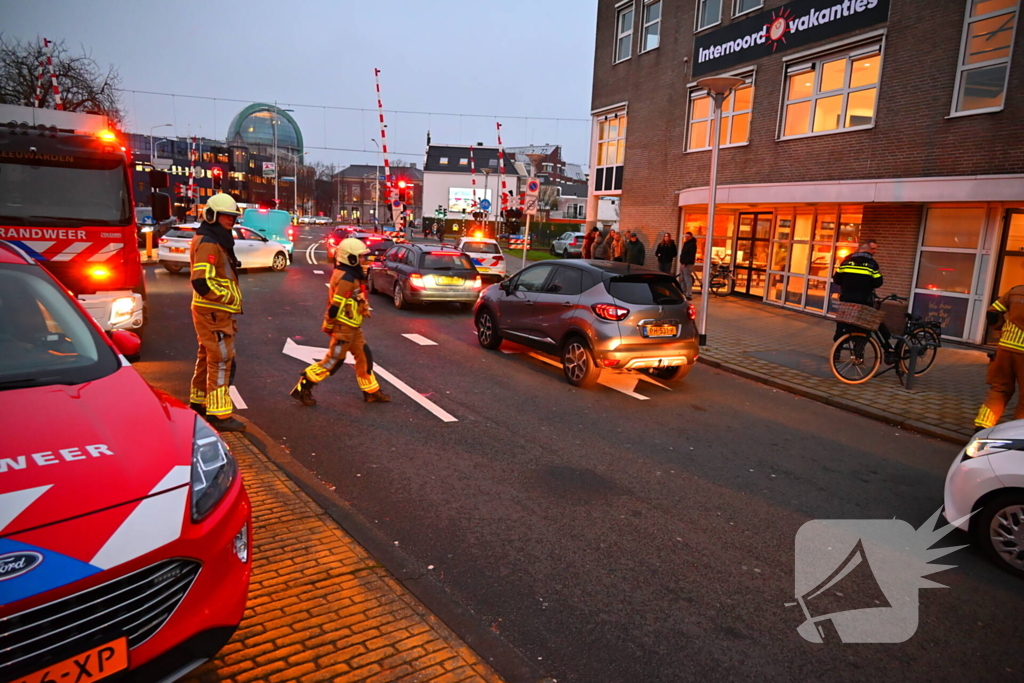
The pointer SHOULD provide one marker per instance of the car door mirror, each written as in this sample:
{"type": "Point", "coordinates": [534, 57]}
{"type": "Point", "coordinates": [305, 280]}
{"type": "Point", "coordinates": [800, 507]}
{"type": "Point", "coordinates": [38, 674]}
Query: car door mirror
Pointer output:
{"type": "Point", "coordinates": [127, 343]}
{"type": "Point", "coordinates": [505, 286]}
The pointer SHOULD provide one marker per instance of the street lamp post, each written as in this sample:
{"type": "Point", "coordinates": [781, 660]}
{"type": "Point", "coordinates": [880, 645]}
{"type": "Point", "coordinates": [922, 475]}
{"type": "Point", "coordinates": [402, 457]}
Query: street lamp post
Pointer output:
{"type": "Point", "coordinates": [295, 179]}
{"type": "Point", "coordinates": [152, 148]}
{"type": "Point", "coordinates": [718, 89]}
{"type": "Point", "coordinates": [376, 185]}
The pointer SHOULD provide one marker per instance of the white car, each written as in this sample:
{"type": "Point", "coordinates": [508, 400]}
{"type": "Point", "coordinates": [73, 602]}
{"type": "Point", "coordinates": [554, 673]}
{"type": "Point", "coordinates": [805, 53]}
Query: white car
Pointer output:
{"type": "Point", "coordinates": [568, 245]}
{"type": "Point", "coordinates": [987, 478]}
{"type": "Point", "coordinates": [252, 249]}
{"type": "Point", "coordinates": [486, 255]}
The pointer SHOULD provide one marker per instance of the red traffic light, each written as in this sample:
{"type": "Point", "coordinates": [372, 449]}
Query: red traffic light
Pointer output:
{"type": "Point", "coordinates": [217, 172]}
{"type": "Point", "coordinates": [401, 184]}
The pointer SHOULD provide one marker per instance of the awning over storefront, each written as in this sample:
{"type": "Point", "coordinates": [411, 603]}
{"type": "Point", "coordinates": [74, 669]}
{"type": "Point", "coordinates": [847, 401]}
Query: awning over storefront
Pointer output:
{"type": "Point", "coordinates": [986, 188]}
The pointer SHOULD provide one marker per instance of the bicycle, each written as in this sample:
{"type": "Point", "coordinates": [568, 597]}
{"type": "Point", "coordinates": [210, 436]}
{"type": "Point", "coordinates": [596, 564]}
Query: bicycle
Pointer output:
{"type": "Point", "coordinates": [722, 280]}
{"type": "Point", "coordinates": [857, 355]}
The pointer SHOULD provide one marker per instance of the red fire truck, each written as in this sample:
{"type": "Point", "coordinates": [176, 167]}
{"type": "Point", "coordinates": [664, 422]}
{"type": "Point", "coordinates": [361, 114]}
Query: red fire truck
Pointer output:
{"type": "Point", "coordinates": [66, 199]}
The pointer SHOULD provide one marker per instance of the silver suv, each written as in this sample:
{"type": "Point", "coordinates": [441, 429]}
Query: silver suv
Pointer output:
{"type": "Point", "coordinates": [594, 315]}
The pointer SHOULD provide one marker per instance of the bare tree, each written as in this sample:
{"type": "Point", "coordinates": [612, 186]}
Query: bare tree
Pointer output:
{"type": "Point", "coordinates": [324, 171]}
{"type": "Point", "coordinates": [398, 163]}
{"type": "Point", "coordinates": [83, 83]}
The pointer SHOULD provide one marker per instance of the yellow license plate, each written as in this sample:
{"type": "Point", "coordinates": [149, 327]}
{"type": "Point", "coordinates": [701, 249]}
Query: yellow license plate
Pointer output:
{"type": "Point", "coordinates": [177, 250]}
{"type": "Point", "coordinates": [449, 280]}
{"type": "Point", "coordinates": [662, 331]}
{"type": "Point", "coordinates": [92, 665]}
{"type": "Point", "coordinates": [483, 270]}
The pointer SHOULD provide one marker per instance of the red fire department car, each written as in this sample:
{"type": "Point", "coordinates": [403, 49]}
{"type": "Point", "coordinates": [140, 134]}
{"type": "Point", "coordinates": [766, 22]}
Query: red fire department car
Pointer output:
{"type": "Point", "coordinates": [124, 525]}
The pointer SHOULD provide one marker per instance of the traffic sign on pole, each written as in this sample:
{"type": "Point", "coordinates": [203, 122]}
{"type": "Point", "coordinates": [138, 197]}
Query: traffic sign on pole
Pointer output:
{"type": "Point", "coordinates": [532, 187]}
{"type": "Point", "coordinates": [485, 204]}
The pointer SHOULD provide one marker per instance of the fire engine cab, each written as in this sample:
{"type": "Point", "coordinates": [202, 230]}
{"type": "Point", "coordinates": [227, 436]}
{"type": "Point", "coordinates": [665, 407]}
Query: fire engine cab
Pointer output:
{"type": "Point", "coordinates": [66, 200]}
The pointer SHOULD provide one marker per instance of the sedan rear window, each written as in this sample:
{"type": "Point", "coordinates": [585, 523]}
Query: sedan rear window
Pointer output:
{"type": "Point", "coordinates": [184, 234]}
{"type": "Point", "coordinates": [658, 289]}
{"type": "Point", "coordinates": [445, 260]}
{"type": "Point", "coordinates": [481, 248]}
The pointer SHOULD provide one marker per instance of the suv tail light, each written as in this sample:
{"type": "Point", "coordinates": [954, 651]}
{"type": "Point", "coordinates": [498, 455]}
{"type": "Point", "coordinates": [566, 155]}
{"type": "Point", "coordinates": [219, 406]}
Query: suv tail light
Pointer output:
{"type": "Point", "coordinates": [162, 240]}
{"type": "Point", "coordinates": [573, 243]}
{"type": "Point", "coordinates": [416, 280]}
{"type": "Point", "coordinates": [691, 312]}
{"type": "Point", "coordinates": [610, 311]}
{"type": "Point", "coordinates": [478, 283]}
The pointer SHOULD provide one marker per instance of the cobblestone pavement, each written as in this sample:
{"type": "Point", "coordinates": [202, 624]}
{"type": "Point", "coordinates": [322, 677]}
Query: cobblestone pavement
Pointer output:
{"type": "Point", "coordinates": [321, 608]}
{"type": "Point", "coordinates": [773, 344]}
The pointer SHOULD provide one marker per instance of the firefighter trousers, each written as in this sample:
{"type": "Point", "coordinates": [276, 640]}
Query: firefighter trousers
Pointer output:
{"type": "Point", "coordinates": [343, 341]}
{"type": "Point", "coordinates": [1006, 371]}
{"type": "Point", "coordinates": [215, 361]}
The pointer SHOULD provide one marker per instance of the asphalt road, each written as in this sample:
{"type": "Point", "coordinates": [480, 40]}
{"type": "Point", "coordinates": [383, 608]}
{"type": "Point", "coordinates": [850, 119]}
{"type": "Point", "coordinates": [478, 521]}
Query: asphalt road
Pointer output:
{"type": "Point", "coordinates": [607, 538]}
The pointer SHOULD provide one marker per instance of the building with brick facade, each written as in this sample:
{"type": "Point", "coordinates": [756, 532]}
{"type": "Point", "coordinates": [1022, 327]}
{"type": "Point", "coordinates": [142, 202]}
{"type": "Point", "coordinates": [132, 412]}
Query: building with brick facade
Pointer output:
{"type": "Point", "coordinates": [895, 120]}
{"type": "Point", "coordinates": [362, 193]}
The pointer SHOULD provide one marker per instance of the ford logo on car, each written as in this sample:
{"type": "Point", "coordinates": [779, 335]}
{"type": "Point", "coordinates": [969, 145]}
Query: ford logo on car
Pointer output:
{"type": "Point", "coordinates": [16, 564]}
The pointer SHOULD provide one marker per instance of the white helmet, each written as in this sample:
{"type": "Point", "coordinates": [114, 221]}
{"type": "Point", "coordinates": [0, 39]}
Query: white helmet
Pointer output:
{"type": "Point", "coordinates": [350, 250]}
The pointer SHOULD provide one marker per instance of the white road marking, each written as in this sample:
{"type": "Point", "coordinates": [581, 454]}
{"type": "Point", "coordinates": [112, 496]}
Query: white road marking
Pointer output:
{"type": "Point", "coordinates": [622, 382]}
{"type": "Point", "coordinates": [318, 272]}
{"type": "Point", "coordinates": [312, 354]}
{"type": "Point", "coordinates": [422, 341]}
{"type": "Point", "coordinates": [236, 398]}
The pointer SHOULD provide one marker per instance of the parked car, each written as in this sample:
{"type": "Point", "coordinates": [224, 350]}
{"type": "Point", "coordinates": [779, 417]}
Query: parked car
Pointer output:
{"type": "Point", "coordinates": [343, 232]}
{"type": "Point", "coordinates": [252, 249]}
{"type": "Point", "coordinates": [124, 526]}
{"type": "Point", "coordinates": [415, 274]}
{"type": "Point", "coordinates": [486, 255]}
{"type": "Point", "coordinates": [273, 224]}
{"type": "Point", "coordinates": [594, 315]}
{"type": "Point", "coordinates": [987, 479]}
{"type": "Point", "coordinates": [568, 245]}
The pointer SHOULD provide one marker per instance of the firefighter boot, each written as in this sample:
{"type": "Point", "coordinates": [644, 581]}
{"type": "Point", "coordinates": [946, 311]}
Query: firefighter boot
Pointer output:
{"type": "Point", "coordinates": [376, 397]}
{"type": "Point", "coordinates": [303, 391]}
{"type": "Point", "coordinates": [226, 424]}
{"type": "Point", "coordinates": [200, 408]}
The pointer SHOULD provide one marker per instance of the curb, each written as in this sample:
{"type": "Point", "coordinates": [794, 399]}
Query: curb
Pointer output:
{"type": "Point", "coordinates": [840, 402]}
{"type": "Point", "coordinates": [505, 659]}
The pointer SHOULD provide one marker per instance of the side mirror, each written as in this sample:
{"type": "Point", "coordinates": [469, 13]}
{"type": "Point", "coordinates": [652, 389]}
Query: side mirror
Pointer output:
{"type": "Point", "coordinates": [505, 286]}
{"type": "Point", "coordinates": [127, 343]}
{"type": "Point", "coordinates": [161, 205]}
{"type": "Point", "coordinates": [158, 180]}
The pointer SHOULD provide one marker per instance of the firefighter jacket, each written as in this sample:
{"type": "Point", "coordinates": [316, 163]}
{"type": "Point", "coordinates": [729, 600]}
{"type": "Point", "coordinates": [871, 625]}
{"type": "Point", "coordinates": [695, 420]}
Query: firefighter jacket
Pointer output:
{"type": "Point", "coordinates": [1011, 305]}
{"type": "Point", "coordinates": [214, 280]}
{"type": "Point", "coordinates": [858, 277]}
{"type": "Point", "coordinates": [346, 304]}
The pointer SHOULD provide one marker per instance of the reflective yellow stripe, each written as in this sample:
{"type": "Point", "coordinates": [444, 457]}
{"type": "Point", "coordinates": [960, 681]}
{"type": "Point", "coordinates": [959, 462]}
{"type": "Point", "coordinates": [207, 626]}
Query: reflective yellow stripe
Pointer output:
{"type": "Point", "coordinates": [197, 396]}
{"type": "Point", "coordinates": [219, 403]}
{"type": "Point", "coordinates": [985, 418]}
{"type": "Point", "coordinates": [1012, 337]}
{"type": "Point", "coordinates": [998, 306]}
{"type": "Point", "coordinates": [369, 385]}
{"type": "Point", "coordinates": [859, 270]}
{"type": "Point", "coordinates": [348, 313]}
{"type": "Point", "coordinates": [317, 373]}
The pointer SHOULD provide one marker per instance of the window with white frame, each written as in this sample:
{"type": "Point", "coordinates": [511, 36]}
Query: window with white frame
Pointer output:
{"type": "Point", "coordinates": [650, 36]}
{"type": "Point", "coordinates": [743, 6]}
{"type": "Point", "coordinates": [985, 48]}
{"type": "Point", "coordinates": [834, 93]}
{"type": "Point", "coordinates": [709, 13]}
{"type": "Point", "coordinates": [624, 32]}
{"type": "Point", "coordinates": [611, 151]}
{"type": "Point", "coordinates": [735, 118]}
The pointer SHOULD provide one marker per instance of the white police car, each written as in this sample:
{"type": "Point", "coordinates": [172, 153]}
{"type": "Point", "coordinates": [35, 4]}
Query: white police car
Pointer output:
{"type": "Point", "coordinates": [486, 255]}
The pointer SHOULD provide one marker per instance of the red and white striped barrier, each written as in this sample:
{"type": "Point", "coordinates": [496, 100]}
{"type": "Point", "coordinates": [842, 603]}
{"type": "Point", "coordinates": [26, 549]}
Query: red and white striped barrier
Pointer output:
{"type": "Point", "coordinates": [47, 61]}
{"type": "Point", "coordinates": [384, 145]}
{"type": "Point", "coordinates": [501, 170]}
{"type": "Point", "coordinates": [516, 241]}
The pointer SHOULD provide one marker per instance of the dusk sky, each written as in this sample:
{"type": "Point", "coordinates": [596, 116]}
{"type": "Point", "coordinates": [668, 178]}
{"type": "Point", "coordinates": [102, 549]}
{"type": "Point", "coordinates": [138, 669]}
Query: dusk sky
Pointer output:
{"type": "Point", "coordinates": [513, 62]}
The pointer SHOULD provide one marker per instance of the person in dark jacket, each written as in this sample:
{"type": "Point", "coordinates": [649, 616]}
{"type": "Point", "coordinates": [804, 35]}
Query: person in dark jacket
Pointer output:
{"type": "Point", "coordinates": [858, 277]}
{"type": "Point", "coordinates": [687, 258]}
{"type": "Point", "coordinates": [634, 250]}
{"type": "Point", "coordinates": [666, 253]}
{"type": "Point", "coordinates": [588, 242]}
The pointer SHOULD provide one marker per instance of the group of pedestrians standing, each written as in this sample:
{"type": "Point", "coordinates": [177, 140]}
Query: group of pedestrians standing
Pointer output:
{"type": "Point", "coordinates": [614, 247]}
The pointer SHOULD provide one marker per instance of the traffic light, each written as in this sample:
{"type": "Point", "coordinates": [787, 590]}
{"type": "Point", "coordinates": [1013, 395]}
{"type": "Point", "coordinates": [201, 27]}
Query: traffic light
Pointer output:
{"type": "Point", "coordinates": [268, 203]}
{"type": "Point", "coordinates": [217, 175]}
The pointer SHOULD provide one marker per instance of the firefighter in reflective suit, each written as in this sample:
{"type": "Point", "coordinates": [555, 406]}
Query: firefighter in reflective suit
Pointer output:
{"type": "Point", "coordinates": [216, 299]}
{"type": "Point", "coordinates": [1007, 368]}
{"type": "Point", "coordinates": [346, 309]}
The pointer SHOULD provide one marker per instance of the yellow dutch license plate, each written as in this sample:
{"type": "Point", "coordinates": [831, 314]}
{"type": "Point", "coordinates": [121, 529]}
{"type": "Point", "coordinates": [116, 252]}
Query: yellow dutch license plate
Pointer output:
{"type": "Point", "coordinates": [92, 665]}
{"type": "Point", "coordinates": [449, 280]}
{"type": "Point", "coordinates": [177, 250]}
{"type": "Point", "coordinates": [482, 269]}
{"type": "Point", "coordinates": [662, 331]}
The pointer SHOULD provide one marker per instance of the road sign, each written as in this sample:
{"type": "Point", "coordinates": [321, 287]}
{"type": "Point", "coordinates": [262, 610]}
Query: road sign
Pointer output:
{"type": "Point", "coordinates": [485, 204]}
{"type": "Point", "coordinates": [287, 179]}
{"type": "Point", "coordinates": [148, 220]}
{"type": "Point", "coordinates": [269, 169]}
{"type": "Point", "coordinates": [396, 204]}
{"type": "Point", "coordinates": [530, 206]}
{"type": "Point", "coordinates": [532, 188]}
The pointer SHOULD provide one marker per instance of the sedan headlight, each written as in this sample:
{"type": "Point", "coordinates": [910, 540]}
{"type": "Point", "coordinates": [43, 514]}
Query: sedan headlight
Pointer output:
{"type": "Point", "coordinates": [213, 469]}
{"type": "Point", "coordinates": [981, 447]}
{"type": "Point", "coordinates": [121, 310]}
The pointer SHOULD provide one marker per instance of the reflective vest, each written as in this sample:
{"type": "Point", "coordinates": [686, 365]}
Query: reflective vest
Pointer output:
{"type": "Point", "coordinates": [348, 310]}
{"type": "Point", "coordinates": [210, 262]}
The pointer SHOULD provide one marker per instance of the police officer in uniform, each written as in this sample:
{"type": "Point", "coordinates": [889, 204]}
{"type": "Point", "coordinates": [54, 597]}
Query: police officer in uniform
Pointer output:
{"type": "Point", "coordinates": [858, 277]}
{"type": "Point", "coordinates": [1007, 368]}
{"type": "Point", "coordinates": [346, 309]}
{"type": "Point", "coordinates": [216, 299]}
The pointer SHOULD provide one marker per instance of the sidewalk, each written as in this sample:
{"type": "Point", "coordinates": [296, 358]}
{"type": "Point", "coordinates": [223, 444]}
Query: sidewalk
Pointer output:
{"type": "Point", "coordinates": [789, 350]}
{"type": "Point", "coordinates": [321, 608]}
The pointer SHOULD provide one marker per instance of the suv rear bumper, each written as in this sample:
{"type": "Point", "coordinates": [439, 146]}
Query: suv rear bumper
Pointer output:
{"type": "Point", "coordinates": [640, 356]}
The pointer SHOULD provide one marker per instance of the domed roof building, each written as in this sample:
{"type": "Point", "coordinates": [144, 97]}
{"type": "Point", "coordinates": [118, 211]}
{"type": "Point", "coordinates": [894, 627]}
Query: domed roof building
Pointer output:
{"type": "Point", "coordinates": [256, 126]}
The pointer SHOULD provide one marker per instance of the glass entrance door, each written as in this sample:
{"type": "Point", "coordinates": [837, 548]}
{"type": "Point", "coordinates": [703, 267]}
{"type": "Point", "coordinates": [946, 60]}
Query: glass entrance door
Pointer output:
{"type": "Point", "coordinates": [753, 238]}
{"type": "Point", "coordinates": [1010, 272]}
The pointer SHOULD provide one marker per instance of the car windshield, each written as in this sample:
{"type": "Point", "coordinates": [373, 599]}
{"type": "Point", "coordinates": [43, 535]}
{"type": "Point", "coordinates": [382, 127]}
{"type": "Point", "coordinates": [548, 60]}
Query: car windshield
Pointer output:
{"type": "Point", "coordinates": [445, 260]}
{"type": "Point", "coordinates": [380, 246]}
{"type": "Point", "coordinates": [651, 288]}
{"type": "Point", "coordinates": [481, 247]}
{"type": "Point", "coordinates": [94, 191]}
{"type": "Point", "coordinates": [44, 338]}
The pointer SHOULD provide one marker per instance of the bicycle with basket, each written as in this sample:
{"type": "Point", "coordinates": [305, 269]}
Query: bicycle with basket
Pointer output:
{"type": "Point", "coordinates": [857, 355]}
